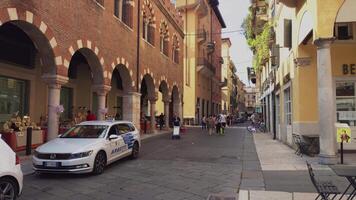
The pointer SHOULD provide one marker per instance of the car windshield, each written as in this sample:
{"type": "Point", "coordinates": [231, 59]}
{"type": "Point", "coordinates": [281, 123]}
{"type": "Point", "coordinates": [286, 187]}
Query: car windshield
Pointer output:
{"type": "Point", "coordinates": [86, 131]}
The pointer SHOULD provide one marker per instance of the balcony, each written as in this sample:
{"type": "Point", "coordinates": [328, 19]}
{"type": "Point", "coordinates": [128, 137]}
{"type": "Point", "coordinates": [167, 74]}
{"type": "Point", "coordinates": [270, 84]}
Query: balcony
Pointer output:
{"type": "Point", "coordinates": [205, 67]}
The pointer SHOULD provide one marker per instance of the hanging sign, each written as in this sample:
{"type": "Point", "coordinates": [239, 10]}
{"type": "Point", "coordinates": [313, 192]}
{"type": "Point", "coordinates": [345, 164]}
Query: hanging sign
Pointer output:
{"type": "Point", "coordinates": [343, 133]}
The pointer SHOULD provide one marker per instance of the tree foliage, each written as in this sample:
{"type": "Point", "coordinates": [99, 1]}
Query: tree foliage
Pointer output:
{"type": "Point", "coordinates": [258, 43]}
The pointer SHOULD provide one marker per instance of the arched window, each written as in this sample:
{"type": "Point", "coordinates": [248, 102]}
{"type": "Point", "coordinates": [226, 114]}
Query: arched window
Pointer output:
{"type": "Point", "coordinates": [164, 38]}
{"type": "Point", "coordinates": [148, 22]}
{"type": "Point", "coordinates": [123, 9]}
{"type": "Point", "coordinates": [175, 49]}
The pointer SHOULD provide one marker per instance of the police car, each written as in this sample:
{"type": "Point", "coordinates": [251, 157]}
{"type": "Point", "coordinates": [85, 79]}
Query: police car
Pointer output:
{"type": "Point", "coordinates": [88, 147]}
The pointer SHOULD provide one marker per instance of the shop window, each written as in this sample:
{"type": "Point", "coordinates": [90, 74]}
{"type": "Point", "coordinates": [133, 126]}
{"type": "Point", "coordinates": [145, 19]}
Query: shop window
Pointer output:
{"type": "Point", "coordinates": [14, 97]}
{"type": "Point", "coordinates": [288, 106]}
{"type": "Point", "coordinates": [67, 102]}
{"type": "Point", "coordinates": [343, 31]}
{"type": "Point", "coordinates": [345, 102]}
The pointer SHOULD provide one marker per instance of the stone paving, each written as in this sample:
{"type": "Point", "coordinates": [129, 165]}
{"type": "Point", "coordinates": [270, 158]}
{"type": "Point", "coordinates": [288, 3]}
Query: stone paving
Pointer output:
{"type": "Point", "coordinates": [191, 168]}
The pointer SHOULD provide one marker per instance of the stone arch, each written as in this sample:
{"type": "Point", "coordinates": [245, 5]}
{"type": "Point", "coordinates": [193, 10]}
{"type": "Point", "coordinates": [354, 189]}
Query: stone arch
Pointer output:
{"type": "Point", "coordinates": [346, 12]}
{"type": "Point", "coordinates": [93, 55]}
{"type": "Point", "coordinates": [149, 84]}
{"type": "Point", "coordinates": [125, 77]}
{"type": "Point", "coordinates": [163, 88]}
{"type": "Point", "coordinates": [123, 65]}
{"type": "Point", "coordinates": [96, 68]}
{"type": "Point", "coordinates": [40, 33]}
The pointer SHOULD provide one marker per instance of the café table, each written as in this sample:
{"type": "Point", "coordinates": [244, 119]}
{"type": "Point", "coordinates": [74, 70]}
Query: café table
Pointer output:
{"type": "Point", "coordinates": [349, 172]}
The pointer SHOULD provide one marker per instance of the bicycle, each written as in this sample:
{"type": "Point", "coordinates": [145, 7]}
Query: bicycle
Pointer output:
{"type": "Point", "coordinates": [254, 127]}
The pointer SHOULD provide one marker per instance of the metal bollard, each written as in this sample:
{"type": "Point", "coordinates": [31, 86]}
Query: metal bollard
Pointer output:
{"type": "Point", "coordinates": [29, 141]}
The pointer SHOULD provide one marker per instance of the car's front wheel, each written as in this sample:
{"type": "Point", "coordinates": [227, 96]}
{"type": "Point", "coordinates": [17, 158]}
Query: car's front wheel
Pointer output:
{"type": "Point", "coordinates": [8, 189]}
{"type": "Point", "coordinates": [135, 150]}
{"type": "Point", "coordinates": [99, 163]}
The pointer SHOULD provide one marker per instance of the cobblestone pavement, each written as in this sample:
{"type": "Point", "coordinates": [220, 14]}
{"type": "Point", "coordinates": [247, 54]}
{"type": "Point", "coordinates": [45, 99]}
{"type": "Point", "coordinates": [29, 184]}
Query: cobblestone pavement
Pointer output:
{"type": "Point", "coordinates": [190, 168]}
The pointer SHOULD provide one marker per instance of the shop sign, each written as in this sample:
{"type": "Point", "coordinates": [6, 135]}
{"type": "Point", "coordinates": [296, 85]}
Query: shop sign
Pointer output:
{"type": "Point", "coordinates": [349, 69]}
{"type": "Point", "coordinates": [346, 115]}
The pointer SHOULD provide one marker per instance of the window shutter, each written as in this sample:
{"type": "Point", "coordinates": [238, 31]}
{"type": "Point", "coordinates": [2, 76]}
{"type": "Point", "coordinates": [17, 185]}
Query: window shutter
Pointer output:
{"type": "Point", "coordinates": [275, 55]}
{"type": "Point", "coordinates": [287, 33]}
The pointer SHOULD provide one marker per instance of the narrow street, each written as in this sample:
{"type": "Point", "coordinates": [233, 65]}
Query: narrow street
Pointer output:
{"type": "Point", "coordinates": [190, 168]}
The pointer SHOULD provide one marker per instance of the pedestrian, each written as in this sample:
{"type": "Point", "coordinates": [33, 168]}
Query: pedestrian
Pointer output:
{"type": "Point", "coordinates": [211, 125]}
{"type": "Point", "coordinates": [218, 124]}
{"type": "Point", "coordinates": [176, 125]}
{"type": "Point", "coordinates": [161, 121]}
{"type": "Point", "coordinates": [117, 116]}
{"type": "Point", "coordinates": [90, 116]}
{"type": "Point", "coordinates": [203, 123]}
{"type": "Point", "coordinates": [222, 124]}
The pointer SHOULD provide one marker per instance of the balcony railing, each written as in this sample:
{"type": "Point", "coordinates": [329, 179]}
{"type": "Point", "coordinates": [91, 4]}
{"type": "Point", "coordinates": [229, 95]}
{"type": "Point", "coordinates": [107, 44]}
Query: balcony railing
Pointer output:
{"type": "Point", "coordinates": [203, 63]}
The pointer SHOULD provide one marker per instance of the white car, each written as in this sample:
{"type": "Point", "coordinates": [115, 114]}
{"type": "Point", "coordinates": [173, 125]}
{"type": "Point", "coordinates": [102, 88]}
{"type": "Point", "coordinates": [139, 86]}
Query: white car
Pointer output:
{"type": "Point", "coordinates": [11, 177]}
{"type": "Point", "coordinates": [88, 147]}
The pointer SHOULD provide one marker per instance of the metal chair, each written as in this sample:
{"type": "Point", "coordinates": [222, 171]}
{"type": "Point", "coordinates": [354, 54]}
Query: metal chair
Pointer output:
{"type": "Point", "coordinates": [325, 189]}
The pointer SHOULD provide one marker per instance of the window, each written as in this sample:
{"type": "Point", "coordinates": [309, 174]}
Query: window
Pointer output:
{"type": "Point", "coordinates": [343, 31]}
{"type": "Point", "coordinates": [288, 106]}
{"type": "Point", "coordinates": [164, 38]}
{"type": "Point", "coordinates": [148, 22]}
{"type": "Point", "coordinates": [175, 49]}
{"type": "Point", "coordinates": [287, 33]}
{"type": "Point", "coordinates": [123, 9]}
{"type": "Point", "coordinates": [345, 102]}
{"type": "Point", "coordinates": [124, 128]}
{"type": "Point", "coordinates": [67, 102]}
{"type": "Point", "coordinates": [100, 2]}
{"type": "Point", "coordinates": [13, 97]}
{"type": "Point", "coordinates": [118, 8]}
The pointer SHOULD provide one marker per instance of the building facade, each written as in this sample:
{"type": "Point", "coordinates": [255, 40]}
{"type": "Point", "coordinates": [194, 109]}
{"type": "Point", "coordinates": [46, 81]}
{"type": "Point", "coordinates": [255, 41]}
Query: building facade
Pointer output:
{"type": "Point", "coordinates": [202, 62]}
{"type": "Point", "coordinates": [250, 99]}
{"type": "Point", "coordinates": [313, 82]}
{"type": "Point", "coordinates": [62, 58]}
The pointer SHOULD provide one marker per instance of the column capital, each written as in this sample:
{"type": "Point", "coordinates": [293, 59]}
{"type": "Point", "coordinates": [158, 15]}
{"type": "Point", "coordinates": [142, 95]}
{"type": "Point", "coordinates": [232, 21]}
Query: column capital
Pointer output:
{"type": "Point", "coordinates": [152, 100]}
{"type": "Point", "coordinates": [101, 89]}
{"type": "Point", "coordinates": [54, 81]}
{"type": "Point", "coordinates": [323, 43]}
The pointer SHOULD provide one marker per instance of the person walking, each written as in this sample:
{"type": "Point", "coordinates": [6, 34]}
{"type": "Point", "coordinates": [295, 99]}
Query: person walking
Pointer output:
{"type": "Point", "coordinates": [211, 124]}
{"type": "Point", "coordinates": [161, 121]}
{"type": "Point", "coordinates": [222, 124]}
{"type": "Point", "coordinates": [203, 123]}
{"type": "Point", "coordinates": [218, 124]}
{"type": "Point", "coordinates": [176, 125]}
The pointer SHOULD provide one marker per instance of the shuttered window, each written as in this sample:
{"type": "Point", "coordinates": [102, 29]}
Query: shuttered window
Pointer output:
{"type": "Point", "coordinates": [287, 33]}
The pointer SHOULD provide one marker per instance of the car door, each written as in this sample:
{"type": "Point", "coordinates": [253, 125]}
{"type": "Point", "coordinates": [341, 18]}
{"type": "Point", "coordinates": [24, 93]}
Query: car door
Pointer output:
{"type": "Point", "coordinates": [127, 136]}
{"type": "Point", "coordinates": [114, 144]}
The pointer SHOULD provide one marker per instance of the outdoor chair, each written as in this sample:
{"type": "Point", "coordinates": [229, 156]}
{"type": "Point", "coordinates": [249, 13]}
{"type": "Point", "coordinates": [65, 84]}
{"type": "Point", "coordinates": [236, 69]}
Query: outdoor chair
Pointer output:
{"type": "Point", "coordinates": [302, 147]}
{"type": "Point", "coordinates": [325, 189]}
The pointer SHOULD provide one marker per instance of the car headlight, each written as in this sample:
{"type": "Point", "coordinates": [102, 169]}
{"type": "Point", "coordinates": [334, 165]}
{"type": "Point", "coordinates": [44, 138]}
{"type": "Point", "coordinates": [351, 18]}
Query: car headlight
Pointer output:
{"type": "Point", "coordinates": [35, 153]}
{"type": "Point", "coordinates": [81, 155]}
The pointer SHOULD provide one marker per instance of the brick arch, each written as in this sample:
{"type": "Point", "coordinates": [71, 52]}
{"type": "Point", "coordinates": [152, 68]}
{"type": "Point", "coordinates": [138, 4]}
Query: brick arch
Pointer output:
{"type": "Point", "coordinates": [88, 44]}
{"type": "Point", "coordinates": [28, 17]}
{"type": "Point", "coordinates": [124, 62]}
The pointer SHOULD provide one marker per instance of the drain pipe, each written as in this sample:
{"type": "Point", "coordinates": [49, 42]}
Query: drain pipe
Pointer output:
{"type": "Point", "coordinates": [138, 47]}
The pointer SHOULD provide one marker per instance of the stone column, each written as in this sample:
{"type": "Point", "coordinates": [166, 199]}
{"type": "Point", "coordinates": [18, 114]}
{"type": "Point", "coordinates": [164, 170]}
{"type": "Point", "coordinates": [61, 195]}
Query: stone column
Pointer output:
{"type": "Point", "coordinates": [131, 108]}
{"type": "Point", "coordinates": [152, 113]}
{"type": "Point", "coordinates": [101, 91]}
{"type": "Point", "coordinates": [166, 113]}
{"type": "Point", "coordinates": [54, 93]}
{"type": "Point", "coordinates": [326, 103]}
